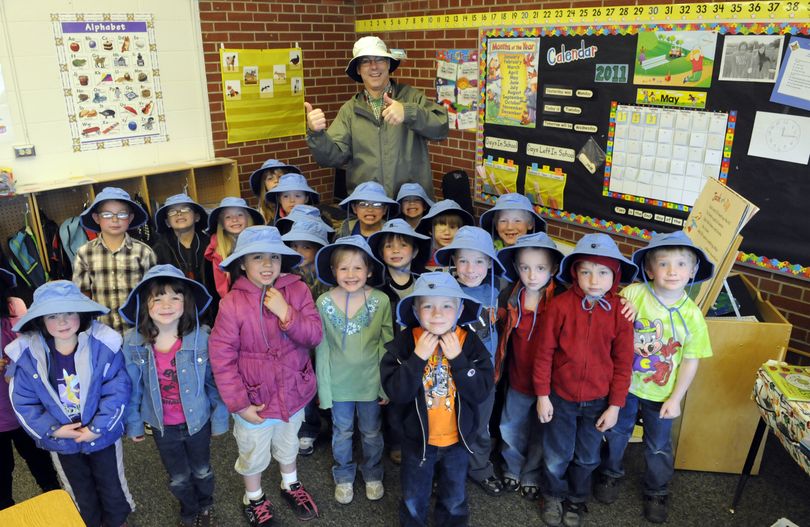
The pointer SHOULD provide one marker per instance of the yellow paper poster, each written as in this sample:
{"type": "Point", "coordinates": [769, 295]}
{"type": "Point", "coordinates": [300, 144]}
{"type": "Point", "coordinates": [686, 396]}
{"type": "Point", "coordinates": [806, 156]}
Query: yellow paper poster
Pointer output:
{"type": "Point", "coordinates": [511, 90]}
{"type": "Point", "coordinates": [545, 186]}
{"type": "Point", "coordinates": [499, 176]}
{"type": "Point", "coordinates": [263, 93]}
{"type": "Point", "coordinates": [675, 98]}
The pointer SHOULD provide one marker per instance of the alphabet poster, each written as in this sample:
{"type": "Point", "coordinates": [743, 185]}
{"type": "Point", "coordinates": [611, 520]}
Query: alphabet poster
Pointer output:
{"type": "Point", "coordinates": [110, 75]}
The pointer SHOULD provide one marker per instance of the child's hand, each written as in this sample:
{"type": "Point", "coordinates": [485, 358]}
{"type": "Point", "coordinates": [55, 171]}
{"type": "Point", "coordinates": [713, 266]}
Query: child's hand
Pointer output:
{"type": "Point", "coordinates": [251, 414]}
{"type": "Point", "coordinates": [383, 402]}
{"type": "Point", "coordinates": [608, 418]}
{"type": "Point", "coordinates": [69, 431]}
{"type": "Point", "coordinates": [138, 439]}
{"type": "Point", "coordinates": [3, 363]}
{"type": "Point", "coordinates": [425, 345]}
{"type": "Point", "coordinates": [628, 309]}
{"type": "Point", "coordinates": [86, 435]}
{"type": "Point", "coordinates": [670, 409]}
{"type": "Point", "coordinates": [451, 347]}
{"type": "Point", "coordinates": [545, 410]}
{"type": "Point", "coordinates": [275, 303]}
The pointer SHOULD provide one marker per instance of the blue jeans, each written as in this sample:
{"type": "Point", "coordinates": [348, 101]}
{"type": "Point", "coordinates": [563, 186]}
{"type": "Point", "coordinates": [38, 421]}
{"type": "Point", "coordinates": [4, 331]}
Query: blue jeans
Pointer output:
{"type": "Point", "coordinates": [521, 432]}
{"type": "Point", "coordinates": [187, 459]}
{"type": "Point", "coordinates": [481, 443]}
{"type": "Point", "coordinates": [369, 423]}
{"type": "Point", "coordinates": [571, 448]}
{"type": "Point", "coordinates": [657, 444]}
{"type": "Point", "coordinates": [311, 426]}
{"type": "Point", "coordinates": [416, 478]}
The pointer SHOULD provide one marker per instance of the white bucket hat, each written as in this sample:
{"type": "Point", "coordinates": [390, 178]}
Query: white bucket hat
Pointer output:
{"type": "Point", "coordinates": [369, 47]}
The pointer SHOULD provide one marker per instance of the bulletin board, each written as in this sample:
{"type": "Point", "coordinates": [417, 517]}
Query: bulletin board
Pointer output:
{"type": "Point", "coordinates": [640, 81]}
{"type": "Point", "coordinates": [262, 92]}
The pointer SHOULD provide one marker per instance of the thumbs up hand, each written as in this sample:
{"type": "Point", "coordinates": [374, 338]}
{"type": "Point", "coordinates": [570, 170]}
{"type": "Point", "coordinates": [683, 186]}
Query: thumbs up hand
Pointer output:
{"type": "Point", "coordinates": [393, 112]}
{"type": "Point", "coordinates": [316, 120]}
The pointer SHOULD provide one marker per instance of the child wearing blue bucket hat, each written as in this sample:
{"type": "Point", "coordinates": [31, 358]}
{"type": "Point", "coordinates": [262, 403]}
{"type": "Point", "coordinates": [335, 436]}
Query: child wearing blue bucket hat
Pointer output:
{"type": "Point", "coordinates": [670, 339]}
{"type": "Point", "coordinates": [581, 372]}
{"type": "Point", "coordinates": [441, 223]}
{"type": "Point", "coordinates": [259, 351]}
{"type": "Point", "coordinates": [305, 212]}
{"type": "Point", "coordinates": [370, 206]}
{"type": "Point", "coordinates": [473, 256]}
{"type": "Point", "coordinates": [108, 267]}
{"type": "Point", "coordinates": [11, 433]}
{"type": "Point", "coordinates": [225, 224]}
{"type": "Point", "coordinates": [437, 373]}
{"type": "Point", "coordinates": [292, 190]}
{"type": "Point", "coordinates": [413, 203]}
{"type": "Point", "coordinates": [306, 237]}
{"type": "Point", "coordinates": [530, 264]}
{"type": "Point", "coordinates": [180, 222]}
{"type": "Point", "coordinates": [512, 216]}
{"type": "Point", "coordinates": [69, 391]}
{"type": "Point", "coordinates": [173, 388]}
{"type": "Point", "coordinates": [265, 178]}
{"type": "Point", "coordinates": [356, 326]}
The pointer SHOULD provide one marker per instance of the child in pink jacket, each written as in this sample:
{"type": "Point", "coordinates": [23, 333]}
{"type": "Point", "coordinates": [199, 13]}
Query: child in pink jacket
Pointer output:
{"type": "Point", "coordinates": [259, 350]}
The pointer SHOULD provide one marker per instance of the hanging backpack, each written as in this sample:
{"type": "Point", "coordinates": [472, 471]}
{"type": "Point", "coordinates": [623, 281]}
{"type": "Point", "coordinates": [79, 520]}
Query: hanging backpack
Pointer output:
{"type": "Point", "coordinates": [72, 235]}
{"type": "Point", "coordinates": [24, 258]}
{"type": "Point", "coordinates": [60, 266]}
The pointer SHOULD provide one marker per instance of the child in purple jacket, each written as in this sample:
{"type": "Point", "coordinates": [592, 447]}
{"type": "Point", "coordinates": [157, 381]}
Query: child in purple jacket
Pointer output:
{"type": "Point", "coordinates": [259, 352]}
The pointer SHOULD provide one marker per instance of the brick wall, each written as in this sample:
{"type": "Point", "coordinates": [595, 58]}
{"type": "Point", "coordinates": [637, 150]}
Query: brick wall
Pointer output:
{"type": "Point", "coordinates": [325, 32]}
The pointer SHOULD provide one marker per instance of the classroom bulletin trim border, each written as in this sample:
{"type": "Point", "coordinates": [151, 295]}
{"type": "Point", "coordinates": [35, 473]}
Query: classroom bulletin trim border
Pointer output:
{"type": "Point", "coordinates": [753, 17]}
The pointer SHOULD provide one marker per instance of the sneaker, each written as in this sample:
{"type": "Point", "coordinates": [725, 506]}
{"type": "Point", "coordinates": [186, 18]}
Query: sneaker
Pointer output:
{"type": "Point", "coordinates": [574, 513]}
{"type": "Point", "coordinates": [491, 485]}
{"type": "Point", "coordinates": [301, 501]}
{"type": "Point", "coordinates": [259, 512]}
{"type": "Point", "coordinates": [306, 446]}
{"type": "Point", "coordinates": [344, 493]}
{"type": "Point", "coordinates": [395, 456]}
{"type": "Point", "coordinates": [552, 512]}
{"type": "Point", "coordinates": [606, 489]}
{"type": "Point", "coordinates": [656, 508]}
{"type": "Point", "coordinates": [510, 484]}
{"type": "Point", "coordinates": [206, 518]}
{"type": "Point", "coordinates": [374, 490]}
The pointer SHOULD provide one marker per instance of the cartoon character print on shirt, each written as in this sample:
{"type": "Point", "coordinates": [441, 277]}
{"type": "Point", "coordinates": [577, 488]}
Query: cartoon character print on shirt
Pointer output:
{"type": "Point", "coordinates": [169, 387]}
{"type": "Point", "coordinates": [651, 354]}
{"type": "Point", "coordinates": [70, 394]}
{"type": "Point", "coordinates": [439, 386]}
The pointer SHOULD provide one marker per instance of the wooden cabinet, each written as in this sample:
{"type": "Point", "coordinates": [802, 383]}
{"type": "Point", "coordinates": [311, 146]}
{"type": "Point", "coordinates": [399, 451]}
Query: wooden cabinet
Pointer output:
{"type": "Point", "coordinates": [207, 182]}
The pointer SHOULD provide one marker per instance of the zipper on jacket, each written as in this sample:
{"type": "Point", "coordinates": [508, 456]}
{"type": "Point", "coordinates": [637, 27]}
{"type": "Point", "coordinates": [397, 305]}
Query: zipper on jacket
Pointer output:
{"type": "Point", "coordinates": [458, 423]}
{"type": "Point", "coordinates": [422, 426]}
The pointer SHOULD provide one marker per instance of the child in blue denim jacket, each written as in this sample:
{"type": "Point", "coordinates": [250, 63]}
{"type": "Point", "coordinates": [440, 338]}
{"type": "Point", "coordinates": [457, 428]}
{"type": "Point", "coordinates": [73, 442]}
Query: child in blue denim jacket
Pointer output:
{"type": "Point", "coordinates": [173, 388]}
{"type": "Point", "coordinates": [69, 391]}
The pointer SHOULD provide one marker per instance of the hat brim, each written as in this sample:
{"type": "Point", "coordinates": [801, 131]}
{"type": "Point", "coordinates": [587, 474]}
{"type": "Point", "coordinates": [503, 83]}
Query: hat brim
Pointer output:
{"type": "Point", "coordinates": [469, 312]}
{"type": "Point", "coordinates": [213, 218]}
{"type": "Point", "coordinates": [255, 179]}
{"type": "Point", "coordinates": [421, 242]}
{"type": "Point", "coordinates": [351, 69]}
{"type": "Point", "coordinates": [323, 265]}
{"type": "Point", "coordinates": [506, 257]}
{"type": "Point", "coordinates": [289, 258]}
{"type": "Point", "coordinates": [426, 223]}
{"type": "Point", "coordinates": [161, 216]}
{"type": "Point", "coordinates": [139, 216]}
{"type": "Point", "coordinates": [70, 304]}
{"type": "Point", "coordinates": [488, 217]}
{"type": "Point", "coordinates": [271, 196]}
{"type": "Point", "coordinates": [303, 237]}
{"type": "Point", "coordinates": [393, 206]}
{"type": "Point", "coordinates": [444, 257]}
{"type": "Point", "coordinates": [705, 268]}
{"type": "Point", "coordinates": [628, 268]}
{"type": "Point", "coordinates": [202, 299]}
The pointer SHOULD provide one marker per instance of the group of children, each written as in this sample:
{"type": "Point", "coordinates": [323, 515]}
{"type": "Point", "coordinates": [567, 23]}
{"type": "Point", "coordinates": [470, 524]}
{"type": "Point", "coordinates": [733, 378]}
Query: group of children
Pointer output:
{"type": "Point", "coordinates": [405, 323]}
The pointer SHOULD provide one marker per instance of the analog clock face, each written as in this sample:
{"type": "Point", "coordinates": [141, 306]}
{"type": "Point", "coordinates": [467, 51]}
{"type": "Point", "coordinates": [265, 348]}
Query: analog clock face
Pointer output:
{"type": "Point", "coordinates": [783, 136]}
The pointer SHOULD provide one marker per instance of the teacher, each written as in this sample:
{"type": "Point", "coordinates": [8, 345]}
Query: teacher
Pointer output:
{"type": "Point", "coordinates": [382, 132]}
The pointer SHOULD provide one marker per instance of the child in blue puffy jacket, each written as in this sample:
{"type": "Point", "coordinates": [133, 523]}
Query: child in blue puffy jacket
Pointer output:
{"type": "Point", "coordinates": [69, 391]}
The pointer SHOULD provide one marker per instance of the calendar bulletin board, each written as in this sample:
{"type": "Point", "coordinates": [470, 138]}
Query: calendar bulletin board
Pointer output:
{"type": "Point", "coordinates": [669, 93]}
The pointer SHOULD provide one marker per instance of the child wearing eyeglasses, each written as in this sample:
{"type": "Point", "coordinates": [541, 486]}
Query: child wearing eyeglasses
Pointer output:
{"type": "Point", "coordinates": [108, 267]}
{"type": "Point", "coordinates": [370, 206]}
{"type": "Point", "coordinates": [182, 242]}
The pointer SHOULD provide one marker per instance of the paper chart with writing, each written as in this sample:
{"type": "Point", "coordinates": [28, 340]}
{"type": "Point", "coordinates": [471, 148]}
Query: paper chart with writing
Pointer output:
{"type": "Point", "coordinates": [457, 86]}
{"type": "Point", "coordinates": [110, 75]}
{"type": "Point", "coordinates": [793, 82]}
{"type": "Point", "coordinates": [665, 155]}
{"type": "Point", "coordinates": [511, 81]}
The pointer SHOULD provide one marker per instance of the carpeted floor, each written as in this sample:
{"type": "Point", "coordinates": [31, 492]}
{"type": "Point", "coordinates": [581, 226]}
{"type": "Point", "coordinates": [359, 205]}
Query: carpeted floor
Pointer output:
{"type": "Point", "coordinates": [699, 499]}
